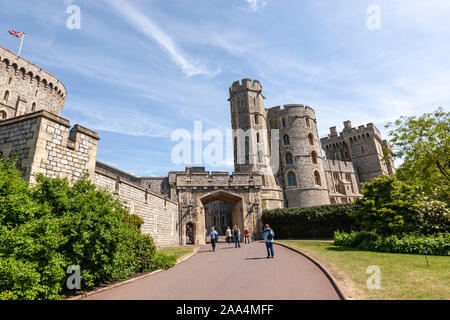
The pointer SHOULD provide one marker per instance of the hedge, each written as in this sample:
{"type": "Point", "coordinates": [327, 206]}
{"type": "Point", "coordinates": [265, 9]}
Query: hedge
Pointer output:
{"type": "Point", "coordinates": [413, 244]}
{"type": "Point", "coordinates": [310, 222]}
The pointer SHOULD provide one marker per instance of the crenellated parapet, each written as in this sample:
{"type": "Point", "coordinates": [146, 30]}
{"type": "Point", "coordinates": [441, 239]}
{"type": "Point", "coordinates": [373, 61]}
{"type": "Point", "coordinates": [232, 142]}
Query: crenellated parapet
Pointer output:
{"type": "Point", "coordinates": [245, 85]}
{"type": "Point", "coordinates": [26, 88]}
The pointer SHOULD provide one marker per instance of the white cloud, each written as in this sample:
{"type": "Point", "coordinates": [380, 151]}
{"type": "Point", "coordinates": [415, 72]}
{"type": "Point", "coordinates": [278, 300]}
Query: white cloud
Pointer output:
{"type": "Point", "coordinates": [152, 31]}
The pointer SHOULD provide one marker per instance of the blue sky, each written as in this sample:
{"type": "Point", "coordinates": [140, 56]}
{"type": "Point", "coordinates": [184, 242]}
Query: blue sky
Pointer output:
{"type": "Point", "coordinates": [139, 69]}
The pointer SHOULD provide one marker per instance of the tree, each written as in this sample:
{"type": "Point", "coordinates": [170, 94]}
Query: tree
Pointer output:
{"type": "Point", "coordinates": [424, 145]}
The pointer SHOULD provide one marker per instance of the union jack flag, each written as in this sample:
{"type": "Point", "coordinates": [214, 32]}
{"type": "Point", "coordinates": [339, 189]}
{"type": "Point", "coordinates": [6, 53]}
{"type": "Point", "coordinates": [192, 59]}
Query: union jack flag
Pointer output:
{"type": "Point", "coordinates": [16, 34]}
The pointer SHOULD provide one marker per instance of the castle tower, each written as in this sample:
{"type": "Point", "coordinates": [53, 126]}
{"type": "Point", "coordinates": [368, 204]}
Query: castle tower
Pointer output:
{"type": "Point", "coordinates": [302, 170]}
{"type": "Point", "coordinates": [363, 146]}
{"type": "Point", "coordinates": [251, 138]}
{"type": "Point", "coordinates": [25, 88]}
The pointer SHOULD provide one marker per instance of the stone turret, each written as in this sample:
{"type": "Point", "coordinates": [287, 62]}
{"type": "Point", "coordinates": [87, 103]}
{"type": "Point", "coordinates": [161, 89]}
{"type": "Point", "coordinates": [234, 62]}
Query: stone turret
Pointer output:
{"type": "Point", "coordinates": [25, 88]}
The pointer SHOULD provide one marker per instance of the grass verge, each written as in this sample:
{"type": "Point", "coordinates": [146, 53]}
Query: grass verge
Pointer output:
{"type": "Point", "coordinates": [403, 276]}
{"type": "Point", "coordinates": [178, 252]}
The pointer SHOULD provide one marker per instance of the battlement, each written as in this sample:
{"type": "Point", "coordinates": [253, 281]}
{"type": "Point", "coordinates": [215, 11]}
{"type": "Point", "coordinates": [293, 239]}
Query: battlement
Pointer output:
{"type": "Point", "coordinates": [32, 72]}
{"type": "Point", "coordinates": [245, 85]}
{"type": "Point", "coordinates": [350, 131]}
{"type": "Point", "coordinates": [198, 177]}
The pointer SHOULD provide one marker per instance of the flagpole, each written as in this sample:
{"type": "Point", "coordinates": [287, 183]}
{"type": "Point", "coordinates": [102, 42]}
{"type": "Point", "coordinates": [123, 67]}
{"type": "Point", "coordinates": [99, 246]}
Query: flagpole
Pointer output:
{"type": "Point", "coordinates": [21, 44]}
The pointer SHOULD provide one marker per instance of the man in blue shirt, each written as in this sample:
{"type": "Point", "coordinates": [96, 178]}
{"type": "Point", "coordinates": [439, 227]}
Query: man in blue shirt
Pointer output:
{"type": "Point", "coordinates": [268, 239]}
{"type": "Point", "coordinates": [213, 235]}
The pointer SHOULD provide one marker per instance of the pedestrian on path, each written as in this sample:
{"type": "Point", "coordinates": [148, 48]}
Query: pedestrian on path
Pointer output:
{"type": "Point", "coordinates": [228, 235]}
{"type": "Point", "coordinates": [237, 236]}
{"type": "Point", "coordinates": [246, 235]}
{"type": "Point", "coordinates": [213, 235]}
{"type": "Point", "coordinates": [268, 239]}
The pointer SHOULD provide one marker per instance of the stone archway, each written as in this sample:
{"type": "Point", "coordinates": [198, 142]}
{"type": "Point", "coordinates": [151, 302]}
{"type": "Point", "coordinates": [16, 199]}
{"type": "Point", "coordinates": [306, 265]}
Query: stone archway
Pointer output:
{"type": "Point", "coordinates": [237, 204]}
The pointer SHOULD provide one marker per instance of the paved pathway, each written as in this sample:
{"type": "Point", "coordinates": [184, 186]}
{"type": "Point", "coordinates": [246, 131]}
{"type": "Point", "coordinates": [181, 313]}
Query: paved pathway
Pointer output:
{"type": "Point", "coordinates": [231, 274]}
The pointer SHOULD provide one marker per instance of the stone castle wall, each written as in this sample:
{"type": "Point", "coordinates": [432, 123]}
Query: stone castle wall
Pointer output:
{"type": "Point", "coordinates": [25, 88]}
{"type": "Point", "coordinates": [160, 214]}
{"type": "Point", "coordinates": [43, 144]}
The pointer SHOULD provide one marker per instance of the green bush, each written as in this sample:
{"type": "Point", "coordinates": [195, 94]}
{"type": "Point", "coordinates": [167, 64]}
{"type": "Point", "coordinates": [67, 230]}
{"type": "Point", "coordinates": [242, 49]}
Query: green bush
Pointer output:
{"type": "Point", "coordinates": [413, 243]}
{"type": "Point", "coordinates": [163, 261]}
{"type": "Point", "coordinates": [390, 207]}
{"type": "Point", "coordinates": [310, 222]}
{"type": "Point", "coordinates": [47, 227]}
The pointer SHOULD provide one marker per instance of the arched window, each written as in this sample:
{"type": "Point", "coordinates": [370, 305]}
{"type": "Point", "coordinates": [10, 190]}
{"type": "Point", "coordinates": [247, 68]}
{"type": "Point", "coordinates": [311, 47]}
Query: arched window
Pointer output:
{"type": "Point", "coordinates": [314, 157]}
{"type": "Point", "coordinates": [256, 119]}
{"type": "Point", "coordinates": [257, 137]}
{"type": "Point", "coordinates": [35, 94]}
{"type": "Point", "coordinates": [283, 123]}
{"type": "Point", "coordinates": [292, 179]}
{"type": "Point", "coordinates": [10, 80]}
{"type": "Point", "coordinates": [317, 179]}
{"type": "Point", "coordinates": [2, 115]}
{"type": "Point", "coordinates": [260, 156]}
{"type": "Point", "coordinates": [286, 140]}
{"type": "Point", "coordinates": [311, 139]}
{"type": "Point", "coordinates": [307, 122]}
{"type": "Point", "coordinates": [33, 107]}
{"type": "Point", "coordinates": [6, 96]}
{"type": "Point", "coordinates": [288, 158]}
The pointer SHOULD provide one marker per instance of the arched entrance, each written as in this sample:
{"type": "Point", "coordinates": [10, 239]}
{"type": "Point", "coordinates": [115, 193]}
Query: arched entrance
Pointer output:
{"type": "Point", "coordinates": [237, 209]}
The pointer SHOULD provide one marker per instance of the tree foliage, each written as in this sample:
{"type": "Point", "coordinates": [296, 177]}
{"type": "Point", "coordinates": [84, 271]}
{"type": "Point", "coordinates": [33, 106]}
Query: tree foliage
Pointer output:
{"type": "Point", "coordinates": [424, 145]}
{"type": "Point", "coordinates": [391, 207]}
{"type": "Point", "coordinates": [47, 227]}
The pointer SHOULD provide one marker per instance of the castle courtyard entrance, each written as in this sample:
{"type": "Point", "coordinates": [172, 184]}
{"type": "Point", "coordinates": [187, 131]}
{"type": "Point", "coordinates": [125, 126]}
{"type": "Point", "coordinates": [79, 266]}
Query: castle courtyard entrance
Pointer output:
{"type": "Point", "coordinates": [222, 210]}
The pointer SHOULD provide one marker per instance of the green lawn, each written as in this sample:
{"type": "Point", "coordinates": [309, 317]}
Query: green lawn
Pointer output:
{"type": "Point", "coordinates": [403, 276]}
{"type": "Point", "coordinates": [178, 252]}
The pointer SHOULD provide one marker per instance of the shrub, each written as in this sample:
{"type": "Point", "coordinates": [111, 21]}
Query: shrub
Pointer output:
{"type": "Point", "coordinates": [50, 226]}
{"type": "Point", "coordinates": [413, 243]}
{"type": "Point", "coordinates": [310, 222]}
{"type": "Point", "coordinates": [164, 261]}
{"type": "Point", "coordinates": [390, 207]}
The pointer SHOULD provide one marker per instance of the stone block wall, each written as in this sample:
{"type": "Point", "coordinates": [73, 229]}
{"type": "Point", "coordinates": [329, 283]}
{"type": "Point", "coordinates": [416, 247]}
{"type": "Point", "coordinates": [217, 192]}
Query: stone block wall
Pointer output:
{"type": "Point", "coordinates": [160, 214]}
{"type": "Point", "coordinates": [43, 143]}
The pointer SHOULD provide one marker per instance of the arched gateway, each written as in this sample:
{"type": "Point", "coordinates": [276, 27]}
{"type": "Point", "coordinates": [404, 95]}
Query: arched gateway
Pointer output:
{"type": "Point", "coordinates": [195, 188]}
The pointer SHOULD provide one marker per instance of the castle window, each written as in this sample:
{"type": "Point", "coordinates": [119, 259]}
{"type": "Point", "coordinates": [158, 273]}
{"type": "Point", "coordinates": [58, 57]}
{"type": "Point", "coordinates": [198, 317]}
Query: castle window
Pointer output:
{"type": "Point", "coordinates": [292, 179]}
{"type": "Point", "coordinates": [33, 107]}
{"type": "Point", "coordinates": [257, 137]}
{"type": "Point", "coordinates": [283, 123]}
{"type": "Point", "coordinates": [317, 179]}
{"type": "Point", "coordinates": [333, 201]}
{"type": "Point", "coordinates": [307, 122]}
{"type": "Point", "coordinates": [6, 96]}
{"type": "Point", "coordinates": [10, 80]}
{"type": "Point", "coordinates": [286, 140]}
{"type": "Point", "coordinates": [2, 115]}
{"type": "Point", "coordinates": [256, 119]}
{"type": "Point", "coordinates": [311, 139]}
{"type": "Point", "coordinates": [346, 155]}
{"type": "Point", "coordinates": [35, 94]}
{"type": "Point", "coordinates": [288, 158]}
{"type": "Point", "coordinates": [260, 156]}
{"type": "Point", "coordinates": [314, 157]}
{"type": "Point", "coordinates": [362, 149]}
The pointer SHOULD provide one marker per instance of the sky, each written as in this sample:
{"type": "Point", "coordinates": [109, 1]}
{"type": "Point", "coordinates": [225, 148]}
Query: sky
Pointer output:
{"type": "Point", "coordinates": [136, 70]}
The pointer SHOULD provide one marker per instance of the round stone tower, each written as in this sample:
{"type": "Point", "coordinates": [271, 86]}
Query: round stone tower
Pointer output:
{"type": "Point", "coordinates": [301, 160]}
{"type": "Point", "coordinates": [25, 88]}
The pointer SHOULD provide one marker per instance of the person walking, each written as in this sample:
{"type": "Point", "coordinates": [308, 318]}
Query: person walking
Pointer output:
{"type": "Point", "coordinates": [237, 236]}
{"type": "Point", "coordinates": [228, 235]}
{"type": "Point", "coordinates": [268, 239]}
{"type": "Point", "coordinates": [213, 235]}
{"type": "Point", "coordinates": [246, 235]}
